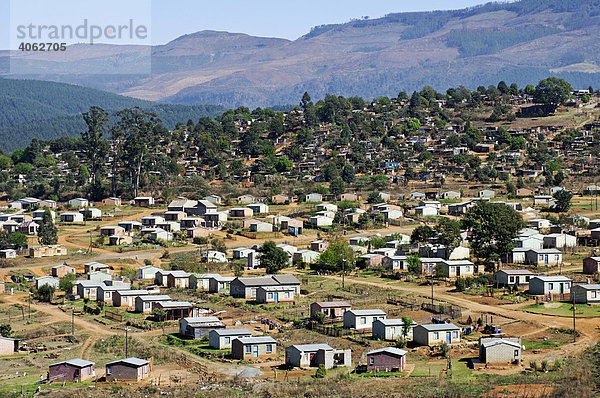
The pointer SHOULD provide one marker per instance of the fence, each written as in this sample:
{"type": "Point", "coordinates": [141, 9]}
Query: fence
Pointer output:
{"type": "Point", "coordinates": [113, 315]}
{"type": "Point", "coordinates": [552, 297]}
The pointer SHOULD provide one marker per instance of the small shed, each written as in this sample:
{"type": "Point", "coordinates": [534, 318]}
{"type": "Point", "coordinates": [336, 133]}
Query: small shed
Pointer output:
{"type": "Point", "coordinates": [221, 338]}
{"type": "Point", "coordinates": [388, 359]}
{"type": "Point", "coordinates": [362, 319]}
{"type": "Point", "coordinates": [134, 369]}
{"type": "Point", "coordinates": [333, 310]}
{"type": "Point", "coordinates": [254, 348]}
{"type": "Point", "coordinates": [72, 370]}
{"type": "Point", "coordinates": [199, 327]}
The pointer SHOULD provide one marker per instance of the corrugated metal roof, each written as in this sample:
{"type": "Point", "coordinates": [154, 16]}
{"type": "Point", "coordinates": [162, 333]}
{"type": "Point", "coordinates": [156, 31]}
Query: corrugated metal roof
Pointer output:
{"type": "Point", "coordinates": [388, 350]}
{"type": "Point", "coordinates": [434, 327]}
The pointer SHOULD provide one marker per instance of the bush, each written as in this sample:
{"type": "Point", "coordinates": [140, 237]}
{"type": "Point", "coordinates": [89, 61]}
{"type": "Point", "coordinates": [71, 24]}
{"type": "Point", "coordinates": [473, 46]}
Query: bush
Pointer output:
{"type": "Point", "coordinates": [401, 342]}
{"type": "Point", "coordinates": [533, 365]}
{"type": "Point", "coordinates": [321, 372]}
{"type": "Point", "coordinates": [45, 293]}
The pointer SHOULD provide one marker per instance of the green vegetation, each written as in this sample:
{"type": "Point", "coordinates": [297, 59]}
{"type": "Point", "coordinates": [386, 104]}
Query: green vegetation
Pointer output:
{"type": "Point", "coordinates": [564, 309]}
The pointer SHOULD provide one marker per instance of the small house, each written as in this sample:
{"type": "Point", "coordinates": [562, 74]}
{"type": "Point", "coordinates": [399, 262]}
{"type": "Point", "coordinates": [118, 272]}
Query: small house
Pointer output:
{"type": "Point", "coordinates": [259, 208]}
{"type": "Point", "coordinates": [143, 201]}
{"type": "Point", "coordinates": [8, 253]}
{"type": "Point", "coordinates": [315, 355]}
{"type": "Point", "coordinates": [61, 270]}
{"type": "Point", "coordinates": [391, 329]}
{"type": "Point", "coordinates": [9, 346]}
{"type": "Point", "coordinates": [71, 217]}
{"type": "Point", "coordinates": [388, 359]}
{"type": "Point", "coordinates": [306, 256]}
{"type": "Point", "coordinates": [214, 199]}
{"type": "Point", "coordinates": [362, 319]}
{"type": "Point", "coordinates": [220, 284]}
{"type": "Point", "coordinates": [457, 268]}
{"type": "Point", "coordinates": [451, 195]}
{"type": "Point", "coordinates": [591, 265]}
{"type": "Point", "coordinates": [586, 294]}
{"type": "Point", "coordinates": [105, 293]}
{"type": "Point", "coordinates": [111, 202]}
{"type": "Point", "coordinates": [131, 369]}
{"type": "Point", "coordinates": [547, 257]}
{"type": "Point", "coordinates": [220, 339]}
{"type": "Point", "coordinates": [130, 226]}
{"type": "Point", "coordinates": [198, 328]}
{"type": "Point", "coordinates": [542, 200]}
{"type": "Point", "coordinates": [248, 348]}
{"type": "Point", "coordinates": [275, 294]}
{"type": "Point", "coordinates": [79, 202]}
{"type": "Point", "coordinates": [486, 193]}
{"type": "Point", "coordinates": [178, 279]}
{"type": "Point", "coordinates": [148, 272]}
{"type": "Point", "coordinates": [313, 198]}
{"type": "Point", "coordinates": [435, 334]}
{"type": "Point", "coordinates": [245, 199]}
{"type": "Point", "coordinates": [95, 266]}
{"type": "Point", "coordinates": [261, 226]}
{"type": "Point", "coordinates": [47, 280]}
{"type": "Point", "coordinates": [512, 277]}
{"type": "Point", "coordinates": [559, 241]}
{"type": "Point", "coordinates": [395, 263]}
{"type": "Point", "coordinates": [499, 350]}
{"type": "Point", "coordinates": [321, 221]}
{"type": "Point", "coordinates": [201, 281]}
{"type": "Point", "coordinates": [47, 251]}
{"type": "Point", "coordinates": [333, 310]}
{"type": "Point", "coordinates": [72, 370]}
{"type": "Point", "coordinates": [174, 310]}
{"type": "Point", "coordinates": [112, 230]}
{"type": "Point", "coordinates": [87, 289]}
{"type": "Point", "coordinates": [539, 223]}
{"type": "Point", "coordinates": [543, 285]}
{"type": "Point", "coordinates": [91, 213]}
{"type": "Point", "coordinates": [319, 245]}
{"type": "Point", "coordinates": [241, 212]}
{"type": "Point", "coordinates": [144, 304]}
{"type": "Point", "coordinates": [126, 298]}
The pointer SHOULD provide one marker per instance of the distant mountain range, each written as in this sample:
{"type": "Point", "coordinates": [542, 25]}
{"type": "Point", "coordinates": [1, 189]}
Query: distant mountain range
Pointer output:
{"type": "Point", "coordinates": [520, 42]}
{"type": "Point", "coordinates": [45, 110]}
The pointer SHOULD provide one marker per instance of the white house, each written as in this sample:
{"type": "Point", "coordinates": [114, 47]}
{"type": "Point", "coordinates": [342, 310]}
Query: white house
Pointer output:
{"type": "Point", "coordinates": [71, 216]}
{"type": "Point", "coordinates": [543, 285]}
{"type": "Point", "coordinates": [559, 241]}
{"type": "Point", "coordinates": [259, 208]}
{"type": "Point", "coordinates": [79, 202]}
{"type": "Point", "coordinates": [362, 319]}
{"type": "Point", "coordinates": [321, 221]}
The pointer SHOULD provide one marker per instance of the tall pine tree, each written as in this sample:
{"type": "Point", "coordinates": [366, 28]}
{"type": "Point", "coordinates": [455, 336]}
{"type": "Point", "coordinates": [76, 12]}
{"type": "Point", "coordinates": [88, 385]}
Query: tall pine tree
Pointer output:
{"type": "Point", "coordinates": [47, 233]}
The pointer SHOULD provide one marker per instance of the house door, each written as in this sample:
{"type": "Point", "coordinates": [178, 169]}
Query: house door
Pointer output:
{"type": "Point", "coordinates": [255, 351]}
{"type": "Point", "coordinates": [332, 313]}
{"type": "Point", "coordinates": [276, 297]}
{"type": "Point", "coordinates": [457, 271]}
{"type": "Point", "coordinates": [546, 259]}
{"type": "Point", "coordinates": [562, 288]}
{"type": "Point", "coordinates": [448, 338]}
{"type": "Point", "coordinates": [313, 359]}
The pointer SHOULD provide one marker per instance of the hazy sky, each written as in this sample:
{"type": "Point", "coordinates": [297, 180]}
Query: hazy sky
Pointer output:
{"type": "Point", "coordinates": [273, 18]}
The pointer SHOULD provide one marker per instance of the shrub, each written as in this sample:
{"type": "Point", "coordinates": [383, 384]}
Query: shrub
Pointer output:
{"type": "Point", "coordinates": [557, 364]}
{"type": "Point", "coordinates": [321, 372]}
{"type": "Point", "coordinates": [544, 365]}
{"type": "Point", "coordinates": [533, 365]}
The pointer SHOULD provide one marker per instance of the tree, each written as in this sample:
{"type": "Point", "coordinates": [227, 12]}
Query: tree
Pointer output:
{"type": "Point", "coordinates": [563, 201]}
{"type": "Point", "coordinates": [406, 326]}
{"type": "Point", "coordinates": [273, 258]}
{"type": "Point", "coordinates": [493, 228]}
{"type": "Point", "coordinates": [66, 283]}
{"type": "Point", "coordinates": [5, 330]}
{"type": "Point", "coordinates": [159, 314]}
{"type": "Point", "coordinates": [338, 256]}
{"type": "Point", "coordinates": [94, 145]}
{"type": "Point", "coordinates": [348, 173]}
{"type": "Point", "coordinates": [283, 164]}
{"type": "Point", "coordinates": [45, 293]}
{"type": "Point", "coordinates": [321, 372]}
{"type": "Point", "coordinates": [17, 239]}
{"type": "Point", "coordinates": [448, 233]}
{"type": "Point", "coordinates": [422, 234]}
{"type": "Point", "coordinates": [552, 91]}
{"type": "Point", "coordinates": [337, 187]}
{"type": "Point", "coordinates": [47, 233]}
{"type": "Point", "coordinates": [414, 264]}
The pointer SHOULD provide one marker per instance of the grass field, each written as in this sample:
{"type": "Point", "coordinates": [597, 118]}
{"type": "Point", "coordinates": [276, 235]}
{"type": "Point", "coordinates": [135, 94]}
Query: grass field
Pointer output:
{"type": "Point", "coordinates": [564, 309]}
{"type": "Point", "coordinates": [426, 369]}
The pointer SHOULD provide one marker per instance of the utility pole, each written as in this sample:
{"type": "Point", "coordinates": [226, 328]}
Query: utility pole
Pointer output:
{"type": "Point", "coordinates": [29, 306]}
{"type": "Point", "coordinates": [574, 333]}
{"type": "Point", "coordinates": [343, 273]}
{"type": "Point", "coordinates": [72, 321]}
{"type": "Point", "coordinates": [432, 291]}
{"type": "Point", "coordinates": [126, 342]}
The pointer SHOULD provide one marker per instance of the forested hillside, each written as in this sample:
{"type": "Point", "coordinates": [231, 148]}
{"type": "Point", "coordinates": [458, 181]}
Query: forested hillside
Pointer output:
{"type": "Point", "coordinates": [46, 110]}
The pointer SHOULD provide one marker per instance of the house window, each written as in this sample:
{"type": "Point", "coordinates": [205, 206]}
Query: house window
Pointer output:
{"type": "Point", "coordinates": [269, 348]}
{"type": "Point", "coordinates": [551, 286]}
{"type": "Point", "coordinates": [227, 340]}
{"type": "Point", "coordinates": [512, 279]}
{"type": "Point", "coordinates": [371, 361]}
{"type": "Point", "coordinates": [455, 334]}
{"type": "Point", "coordinates": [436, 335]}
{"type": "Point", "coordinates": [248, 349]}
{"type": "Point", "coordinates": [108, 370]}
{"type": "Point", "coordinates": [270, 295]}
{"type": "Point", "coordinates": [393, 329]}
{"type": "Point", "coordinates": [363, 320]}
{"type": "Point", "coordinates": [593, 294]}
{"type": "Point", "coordinates": [516, 354]}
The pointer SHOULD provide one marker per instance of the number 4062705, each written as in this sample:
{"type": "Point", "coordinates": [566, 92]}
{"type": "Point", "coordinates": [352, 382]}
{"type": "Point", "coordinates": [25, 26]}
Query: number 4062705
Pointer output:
{"type": "Point", "coordinates": [43, 46]}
